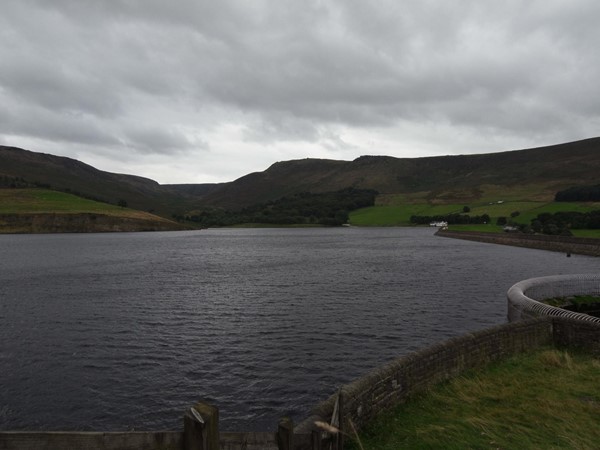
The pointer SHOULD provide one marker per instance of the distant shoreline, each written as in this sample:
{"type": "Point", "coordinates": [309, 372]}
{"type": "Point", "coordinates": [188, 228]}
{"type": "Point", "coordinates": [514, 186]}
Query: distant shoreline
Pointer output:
{"type": "Point", "coordinates": [563, 244]}
{"type": "Point", "coordinates": [34, 223]}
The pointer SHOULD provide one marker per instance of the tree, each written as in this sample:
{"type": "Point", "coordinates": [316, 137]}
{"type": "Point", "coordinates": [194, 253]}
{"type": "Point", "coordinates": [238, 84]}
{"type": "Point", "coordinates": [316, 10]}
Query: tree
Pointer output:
{"type": "Point", "coordinates": [122, 203]}
{"type": "Point", "coordinates": [466, 209]}
{"type": "Point", "coordinates": [501, 221]}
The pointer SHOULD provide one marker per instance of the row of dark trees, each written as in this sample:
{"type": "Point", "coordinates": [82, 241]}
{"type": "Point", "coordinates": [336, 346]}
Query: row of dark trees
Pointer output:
{"type": "Point", "coordinates": [452, 219]}
{"type": "Point", "coordinates": [579, 194]}
{"type": "Point", "coordinates": [560, 223]}
{"type": "Point", "coordinates": [328, 208]}
{"type": "Point", "coordinates": [13, 182]}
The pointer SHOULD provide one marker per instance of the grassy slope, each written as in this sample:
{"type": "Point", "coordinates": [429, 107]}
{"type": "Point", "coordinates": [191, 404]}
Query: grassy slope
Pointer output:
{"type": "Point", "coordinates": [395, 210]}
{"type": "Point", "coordinates": [39, 201]}
{"type": "Point", "coordinates": [546, 399]}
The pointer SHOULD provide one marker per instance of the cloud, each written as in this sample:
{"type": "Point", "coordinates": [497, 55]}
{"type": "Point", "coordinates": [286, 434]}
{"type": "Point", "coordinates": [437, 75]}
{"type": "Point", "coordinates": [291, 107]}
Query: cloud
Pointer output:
{"type": "Point", "coordinates": [295, 78]}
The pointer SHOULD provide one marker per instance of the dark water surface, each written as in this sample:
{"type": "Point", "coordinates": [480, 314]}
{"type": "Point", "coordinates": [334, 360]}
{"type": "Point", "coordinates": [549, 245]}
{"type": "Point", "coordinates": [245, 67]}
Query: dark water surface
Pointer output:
{"type": "Point", "coordinates": [126, 331]}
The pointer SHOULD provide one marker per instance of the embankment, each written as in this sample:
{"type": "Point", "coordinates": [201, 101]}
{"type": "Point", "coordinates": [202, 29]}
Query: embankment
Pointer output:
{"type": "Point", "coordinates": [82, 223]}
{"type": "Point", "coordinates": [564, 244]}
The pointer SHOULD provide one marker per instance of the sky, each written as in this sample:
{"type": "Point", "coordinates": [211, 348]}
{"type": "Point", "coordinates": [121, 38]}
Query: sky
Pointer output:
{"type": "Point", "coordinates": [195, 91]}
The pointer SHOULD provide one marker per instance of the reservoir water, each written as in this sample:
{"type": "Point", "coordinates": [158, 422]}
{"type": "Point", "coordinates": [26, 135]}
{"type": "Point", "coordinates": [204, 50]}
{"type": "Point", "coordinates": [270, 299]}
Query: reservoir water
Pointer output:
{"type": "Point", "coordinates": [125, 331]}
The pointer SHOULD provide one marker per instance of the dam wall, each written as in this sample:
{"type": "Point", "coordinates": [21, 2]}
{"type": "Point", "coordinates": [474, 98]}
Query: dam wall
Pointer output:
{"type": "Point", "coordinates": [564, 244]}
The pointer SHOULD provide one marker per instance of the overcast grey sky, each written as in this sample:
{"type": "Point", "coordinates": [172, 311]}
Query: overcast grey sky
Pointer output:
{"type": "Point", "coordinates": [194, 91]}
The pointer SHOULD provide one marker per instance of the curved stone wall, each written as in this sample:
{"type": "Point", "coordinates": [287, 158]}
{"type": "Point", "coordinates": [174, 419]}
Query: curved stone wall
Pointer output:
{"type": "Point", "coordinates": [524, 298]}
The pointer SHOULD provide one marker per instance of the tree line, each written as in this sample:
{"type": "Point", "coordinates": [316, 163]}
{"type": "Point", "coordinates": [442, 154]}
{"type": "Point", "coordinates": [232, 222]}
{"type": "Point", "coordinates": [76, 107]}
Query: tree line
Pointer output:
{"type": "Point", "coordinates": [452, 219]}
{"type": "Point", "coordinates": [560, 223]}
{"type": "Point", "coordinates": [328, 208]}
{"type": "Point", "coordinates": [579, 194]}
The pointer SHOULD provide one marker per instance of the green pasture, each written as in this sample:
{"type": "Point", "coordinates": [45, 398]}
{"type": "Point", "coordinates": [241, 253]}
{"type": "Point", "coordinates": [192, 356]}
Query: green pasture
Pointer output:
{"type": "Point", "coordinates": [553, 207]}
{"type": "Point", "coordinates": [586, 233]}
{"type": "Point", "coordinates": [392, 214]}
{"type": "Point", "coordinates": [398, 215]}
{"type": "Point", "coordinates": [23, 201]}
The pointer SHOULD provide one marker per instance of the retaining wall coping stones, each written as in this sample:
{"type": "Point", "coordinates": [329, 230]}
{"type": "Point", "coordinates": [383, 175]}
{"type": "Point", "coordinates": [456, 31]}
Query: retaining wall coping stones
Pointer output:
{"type": "Point", "coordinates": [524, 298]}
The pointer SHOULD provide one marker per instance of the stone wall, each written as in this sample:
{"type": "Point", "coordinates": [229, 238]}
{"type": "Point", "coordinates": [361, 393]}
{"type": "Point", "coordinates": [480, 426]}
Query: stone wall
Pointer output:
{"type": "Point", "coordinates": [393, 383]}
{"type": "Point", "coordinates": [22, 440]}
{"type": "Point", "coordinates": [564, 244]}
{"type": "Point", "coordinates": [533, 324]}
{"type": "Point", "coordinates": [525, 297]}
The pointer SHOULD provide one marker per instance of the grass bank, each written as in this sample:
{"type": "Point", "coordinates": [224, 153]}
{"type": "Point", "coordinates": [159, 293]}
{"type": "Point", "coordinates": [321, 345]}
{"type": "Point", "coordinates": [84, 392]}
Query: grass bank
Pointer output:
{"type": "Point", "coordinates": [44, 210]}
{"type": "Point", "coordinates": [32, 201]}
{"type": "Point", "coordinates": [545, 399]}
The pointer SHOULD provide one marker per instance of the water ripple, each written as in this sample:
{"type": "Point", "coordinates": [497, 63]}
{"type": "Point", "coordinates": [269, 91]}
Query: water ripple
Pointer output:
{"type": "Point", "coordinates": [126, 331]}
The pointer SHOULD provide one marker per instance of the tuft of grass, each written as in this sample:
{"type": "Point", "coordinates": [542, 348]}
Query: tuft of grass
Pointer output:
{"type": "Point", "coordinates": [544, 399]}
{"type": "Point", "coordinates": [555, 358]}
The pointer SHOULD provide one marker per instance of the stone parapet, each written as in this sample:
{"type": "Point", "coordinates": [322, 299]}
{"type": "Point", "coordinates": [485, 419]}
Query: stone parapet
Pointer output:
{"type": "Point", "coordinates": [525, 299]}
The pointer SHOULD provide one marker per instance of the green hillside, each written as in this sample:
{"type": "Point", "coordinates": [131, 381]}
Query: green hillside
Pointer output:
{"type": "Point", "coordinates": [400, 213]}
{"type": "Point", "coordinates": [18, 201]}
{"type": "Point", "coordinates": [44, 210]}
{"type": "Point", "coordinates": [495, 184]}
{"type": "Point", "coordinates": [523, 175]}
{"type": "Point", "coordinates": [23, 168]}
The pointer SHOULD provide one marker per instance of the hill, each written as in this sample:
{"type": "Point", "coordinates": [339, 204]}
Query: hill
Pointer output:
{"type": "Point", "coordinates": [23, 168]}
{"type": "Point", "coordinates": [531, 174]}
{"type": "Point", "coordinates": [46, 211]}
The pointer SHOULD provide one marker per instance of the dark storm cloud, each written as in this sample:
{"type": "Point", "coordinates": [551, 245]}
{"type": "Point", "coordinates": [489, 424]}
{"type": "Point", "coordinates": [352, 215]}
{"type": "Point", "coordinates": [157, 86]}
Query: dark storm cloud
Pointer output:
{"type": "Point", "coordinates": [179, 78]}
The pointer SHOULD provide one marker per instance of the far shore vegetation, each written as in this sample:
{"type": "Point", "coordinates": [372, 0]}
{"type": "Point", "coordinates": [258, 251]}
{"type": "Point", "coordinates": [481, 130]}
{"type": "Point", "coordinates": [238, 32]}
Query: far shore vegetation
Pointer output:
{"type": "Point", "coordinates": [546, 399]}
{"type": "Point", "coordinates": [579, 219]}
{"type": "Point", "coordinates": [355, 207]}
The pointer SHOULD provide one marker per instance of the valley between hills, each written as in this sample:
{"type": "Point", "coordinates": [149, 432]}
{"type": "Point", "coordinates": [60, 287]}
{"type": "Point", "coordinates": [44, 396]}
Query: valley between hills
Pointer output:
{"type": "Point", "coordinates": [46, 193]}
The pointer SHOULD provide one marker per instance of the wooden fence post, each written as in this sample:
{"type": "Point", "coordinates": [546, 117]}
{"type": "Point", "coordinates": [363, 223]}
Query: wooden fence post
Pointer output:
{"type": "Point", "coordinates": [201, 427]}
{"type": "Point", "coordinates": [316, 440]}
{"type": "Point", "coordinates": [285, 434]}
{"type": "Point", "coordinates": [337, 420]}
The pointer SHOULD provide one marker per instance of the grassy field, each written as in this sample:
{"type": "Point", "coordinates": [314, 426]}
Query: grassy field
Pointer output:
{"type": "Point", "coordinates": [37, 201]}
{"type": "Point", "coordinates": [387, 212]}
{"type": "Point", "coordinates": [547, 399]}
{"type": "Point", "coordinates": [398, 215]}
